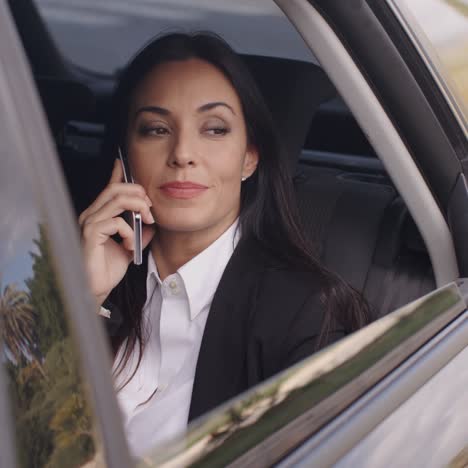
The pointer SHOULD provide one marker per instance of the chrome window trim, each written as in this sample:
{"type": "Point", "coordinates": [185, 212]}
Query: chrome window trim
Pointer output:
{"type": "Point", "coordinates": [380, 131]}
{"type": "Point", "coordinates": [429, 57]}
{"type": "Point", "coordinates": [264, 424]}
{"type": "Point", "coordinates": [341, 435]}
{"type": "Point", "coordinates": [37, 154]}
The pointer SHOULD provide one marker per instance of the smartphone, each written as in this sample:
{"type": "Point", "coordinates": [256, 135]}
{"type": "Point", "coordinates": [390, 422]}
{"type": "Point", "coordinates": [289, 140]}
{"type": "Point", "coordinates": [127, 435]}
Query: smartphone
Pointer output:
{"type": "Point", "coordinates": [135, 216]}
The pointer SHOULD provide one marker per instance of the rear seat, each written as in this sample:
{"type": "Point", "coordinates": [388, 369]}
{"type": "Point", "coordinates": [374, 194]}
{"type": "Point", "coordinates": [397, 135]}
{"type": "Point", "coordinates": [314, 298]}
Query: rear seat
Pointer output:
{"type": "Point", "coordinates": [358, 224]}
{"type": "Point", "coordinates": [401, 270]}
{"type": "Point", "coordinates": [362, 231]}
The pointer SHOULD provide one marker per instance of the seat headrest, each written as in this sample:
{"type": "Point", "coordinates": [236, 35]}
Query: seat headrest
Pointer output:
{"type": "Point", "coordinates": [398, 233]}
{"type": "Point", "coordinates": [412, 239]}
{"type": "Point", "coordinates": [293, 91]}
{"type": "Point", "coordinates": [65, 100]}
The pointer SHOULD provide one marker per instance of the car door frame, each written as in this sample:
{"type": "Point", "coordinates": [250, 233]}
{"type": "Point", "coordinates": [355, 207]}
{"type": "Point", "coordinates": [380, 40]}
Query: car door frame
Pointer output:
{"type": "Point", "coordinates": [36, 149]}
{"type": "Point", "coordinates": [414, 101]}
{"type": "Point", "coordinates": [353, 77]}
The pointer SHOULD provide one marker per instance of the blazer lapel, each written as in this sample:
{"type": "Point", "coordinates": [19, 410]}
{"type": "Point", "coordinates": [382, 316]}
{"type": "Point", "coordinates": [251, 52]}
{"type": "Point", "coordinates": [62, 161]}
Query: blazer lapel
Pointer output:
{"type": "Point", "coordinates": [221, 367]}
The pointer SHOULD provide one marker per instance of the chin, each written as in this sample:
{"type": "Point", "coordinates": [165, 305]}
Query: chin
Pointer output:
{"type": "Point", "coordinates": [184, 221]}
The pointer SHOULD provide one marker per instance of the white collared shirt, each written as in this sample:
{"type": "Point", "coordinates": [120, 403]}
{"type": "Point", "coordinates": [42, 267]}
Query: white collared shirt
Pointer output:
{"type": "Point", "coordinates": [174, 318]}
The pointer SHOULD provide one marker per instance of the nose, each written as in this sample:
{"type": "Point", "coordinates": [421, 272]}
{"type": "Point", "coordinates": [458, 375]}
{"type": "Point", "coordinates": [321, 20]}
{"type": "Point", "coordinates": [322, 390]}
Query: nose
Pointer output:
{"type": "Point", "coordinates": [183, 152]}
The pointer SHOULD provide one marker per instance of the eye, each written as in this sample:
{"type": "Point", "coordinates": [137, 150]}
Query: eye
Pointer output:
{"type": "Point", "coordinates": [217, 131]}
{"type": "Point", "coordinates": [154, 130]}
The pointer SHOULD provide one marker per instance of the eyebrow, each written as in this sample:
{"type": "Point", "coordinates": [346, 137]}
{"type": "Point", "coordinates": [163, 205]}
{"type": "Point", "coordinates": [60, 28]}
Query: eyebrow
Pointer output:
{"type": "Point", "coordinates": [162, 111]}
{"type": "Point", "coordinates": [212, 105]}
{"type": "Point", "coordinates": [152, 109]}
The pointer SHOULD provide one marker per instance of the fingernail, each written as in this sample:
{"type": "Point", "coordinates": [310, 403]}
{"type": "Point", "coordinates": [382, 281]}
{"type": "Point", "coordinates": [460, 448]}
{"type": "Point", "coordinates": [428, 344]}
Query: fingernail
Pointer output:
{"type": "Point", "coordinates": [148, 200]}
{"type": "Point", "coordinates": [151, 217]}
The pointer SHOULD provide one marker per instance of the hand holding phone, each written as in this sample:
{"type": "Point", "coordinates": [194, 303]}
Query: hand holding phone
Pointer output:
{"type": "Point", "coordinates": [135, 216]}
{"type": "Point", "coordinates": [107, 260]}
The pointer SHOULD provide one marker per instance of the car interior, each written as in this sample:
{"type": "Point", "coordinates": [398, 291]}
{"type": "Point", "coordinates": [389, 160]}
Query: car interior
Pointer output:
{"type": "Point", "coordinates": [351, 211]}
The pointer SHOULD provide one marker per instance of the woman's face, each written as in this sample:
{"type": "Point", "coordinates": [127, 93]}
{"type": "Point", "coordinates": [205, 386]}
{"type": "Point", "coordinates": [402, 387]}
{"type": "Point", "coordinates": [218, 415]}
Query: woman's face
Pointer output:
{"type": "Point", "coordinates": [187, 144]}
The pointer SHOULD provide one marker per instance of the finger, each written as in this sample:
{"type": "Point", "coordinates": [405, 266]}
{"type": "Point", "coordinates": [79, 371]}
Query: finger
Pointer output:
{"type": "Point", "coordinates": [117, 177]}
{"type": "Point", "coordinates": [117, 172]}
{"type": "Point", "coordinates": [118, 205]}
{"type": "Point", "coordinates": [111, 191]}
{"type": "Point", "coordinates": [98, 233]}
{"type": "Point", "coordinates": [116, 180]}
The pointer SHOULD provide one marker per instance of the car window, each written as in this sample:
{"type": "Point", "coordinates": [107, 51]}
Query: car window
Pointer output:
{"type": "Point", "coordinates": [266, 423]}
{"type": "Point", "coordinates": [54, 424]}
{"type": "Point", "coordinates": [101, 35]}
{"type": "Point", "coordinates": [440, 28]}
{"type": "Point", "coordinates": [68, 20]}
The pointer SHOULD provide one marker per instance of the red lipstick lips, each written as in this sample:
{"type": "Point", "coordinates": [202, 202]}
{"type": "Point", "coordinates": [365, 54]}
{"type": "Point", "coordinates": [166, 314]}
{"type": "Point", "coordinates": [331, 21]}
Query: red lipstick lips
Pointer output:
{"type": "Point", "coordinates": [182, 190]}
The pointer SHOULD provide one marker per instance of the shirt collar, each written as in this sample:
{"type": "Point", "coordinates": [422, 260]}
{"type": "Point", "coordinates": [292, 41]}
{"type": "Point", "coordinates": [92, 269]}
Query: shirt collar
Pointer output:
{"type": "Point", "coordinates": [201, 275]}
{"type": "Point", "coordinates": [152, 279]}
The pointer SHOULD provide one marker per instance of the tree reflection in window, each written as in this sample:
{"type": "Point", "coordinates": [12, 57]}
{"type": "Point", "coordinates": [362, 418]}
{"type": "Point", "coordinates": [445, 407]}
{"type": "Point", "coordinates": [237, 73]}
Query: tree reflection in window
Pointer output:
{"type": "Point", "coordinates": [54, 426]}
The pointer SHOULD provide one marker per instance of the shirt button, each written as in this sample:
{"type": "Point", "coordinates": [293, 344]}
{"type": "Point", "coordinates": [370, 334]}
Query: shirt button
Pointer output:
{"type": "Point", "coordinates": [174, 288]}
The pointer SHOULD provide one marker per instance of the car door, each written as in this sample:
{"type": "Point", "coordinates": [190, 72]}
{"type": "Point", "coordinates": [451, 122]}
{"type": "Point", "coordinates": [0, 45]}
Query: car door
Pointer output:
{"type": "Point", "coordinates": [57, 404]}
{"type": "Point", "coordinates": [298, 413]}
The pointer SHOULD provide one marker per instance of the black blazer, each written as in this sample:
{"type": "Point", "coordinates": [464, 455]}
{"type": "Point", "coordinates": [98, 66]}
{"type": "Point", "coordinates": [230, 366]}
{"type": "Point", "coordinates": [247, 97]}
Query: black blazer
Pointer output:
{"type": "Point", "coordinates": [265, 316]}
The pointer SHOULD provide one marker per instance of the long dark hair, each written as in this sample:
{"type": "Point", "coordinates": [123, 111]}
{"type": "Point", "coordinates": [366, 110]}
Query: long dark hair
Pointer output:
{"type": "Point", "coordinates": [268, 207]}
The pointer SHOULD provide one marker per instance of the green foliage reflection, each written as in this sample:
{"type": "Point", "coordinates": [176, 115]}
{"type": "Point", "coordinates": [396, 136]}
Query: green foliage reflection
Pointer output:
{"type": "Point", "coordinates": [53, 420]}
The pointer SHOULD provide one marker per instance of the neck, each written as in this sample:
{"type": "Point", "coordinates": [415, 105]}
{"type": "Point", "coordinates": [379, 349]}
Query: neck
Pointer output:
{"type": "Point", "coordinates": [172, 249]}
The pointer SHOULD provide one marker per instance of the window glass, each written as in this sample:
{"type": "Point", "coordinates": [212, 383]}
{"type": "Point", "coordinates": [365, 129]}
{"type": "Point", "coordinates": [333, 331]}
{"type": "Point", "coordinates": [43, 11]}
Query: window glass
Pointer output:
{"type": "Point", "coordinates": [441, 28]}
{"type": "Point", "coordinates": [101, 35]}
{"type": "Point", "coordinates": [265, 423]}
{"type": "Point", "coordinates": [54, 425]}
{"type": "Point", "coordinates": [80, 29]}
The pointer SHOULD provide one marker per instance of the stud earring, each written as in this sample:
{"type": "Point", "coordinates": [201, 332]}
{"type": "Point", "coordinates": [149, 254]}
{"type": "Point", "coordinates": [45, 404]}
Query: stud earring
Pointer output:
{"type": "Point", "coordinates": [244, 179]}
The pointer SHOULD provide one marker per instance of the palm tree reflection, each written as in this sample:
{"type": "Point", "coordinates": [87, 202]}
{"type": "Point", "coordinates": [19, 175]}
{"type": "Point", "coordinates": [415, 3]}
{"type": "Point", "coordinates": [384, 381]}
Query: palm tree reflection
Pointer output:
{"type": "Point", "coordinates": [17, 319]}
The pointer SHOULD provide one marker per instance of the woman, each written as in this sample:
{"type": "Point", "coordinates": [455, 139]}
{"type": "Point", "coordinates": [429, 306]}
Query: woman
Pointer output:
{"type": "Point", "coordinates": [229, 293]}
